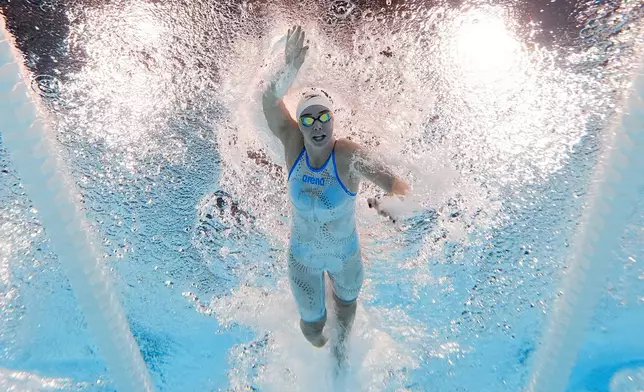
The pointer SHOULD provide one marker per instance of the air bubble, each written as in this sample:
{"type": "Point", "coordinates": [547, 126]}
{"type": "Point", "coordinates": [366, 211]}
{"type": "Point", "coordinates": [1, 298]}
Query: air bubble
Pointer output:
{"type": "Point", "coordinates": [341, 9]}
{"type": "Point", "coordinates": [47, 86]}
{"type": "Point", "coordinates": [44, 5]}
{"type": "Point", "coordinates": [368, 16]}
{"type": "Point", "coordinates": [406, 15]}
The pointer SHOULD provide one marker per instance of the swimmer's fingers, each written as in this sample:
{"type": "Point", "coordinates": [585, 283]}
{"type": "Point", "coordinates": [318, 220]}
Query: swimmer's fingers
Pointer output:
{"type": "Point", "coordinates": [374, 202]}
{"type": "Point", "coordinates": [388, 215]}
{"type": "Point", "coordinates": [300, 39]}
{"type": "Point", "coordinates": [299, 60]}
{"type": "Point", "coordinates": [290, 35]}
{"type": "Point", "coordinates": [295, 53]}
{"type": "Point", "coordinates": [294, 34]}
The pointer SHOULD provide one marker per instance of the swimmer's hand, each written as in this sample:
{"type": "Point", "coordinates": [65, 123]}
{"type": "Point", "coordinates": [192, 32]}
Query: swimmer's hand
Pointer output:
{"type": "Point", "coordinates": [295, 52]}
{"type": "Point", "coordinates": [294, 55]}
{"type": "Point", "coordinates": [386, 206]}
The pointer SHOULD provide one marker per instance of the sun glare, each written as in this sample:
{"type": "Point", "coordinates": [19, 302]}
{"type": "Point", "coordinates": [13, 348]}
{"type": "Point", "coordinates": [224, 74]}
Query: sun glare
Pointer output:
{"type": "Point", "coordinates": [485, 48]}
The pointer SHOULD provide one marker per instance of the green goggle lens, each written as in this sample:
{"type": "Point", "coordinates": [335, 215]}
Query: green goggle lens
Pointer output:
{"type": "Point", "coordinates": [308, 120]}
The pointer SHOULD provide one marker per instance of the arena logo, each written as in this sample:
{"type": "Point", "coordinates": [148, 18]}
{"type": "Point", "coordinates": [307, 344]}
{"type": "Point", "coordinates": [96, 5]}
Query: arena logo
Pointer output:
{"type": "Point", "coordinates": [312, 180]}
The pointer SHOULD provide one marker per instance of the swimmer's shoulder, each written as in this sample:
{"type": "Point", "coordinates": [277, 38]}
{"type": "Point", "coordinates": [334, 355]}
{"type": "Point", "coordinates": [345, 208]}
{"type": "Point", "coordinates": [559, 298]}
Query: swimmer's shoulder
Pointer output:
{"type": "Point", "coordinates": [345, 148]}
{"type": "Point", "coordinates": [344, 151]}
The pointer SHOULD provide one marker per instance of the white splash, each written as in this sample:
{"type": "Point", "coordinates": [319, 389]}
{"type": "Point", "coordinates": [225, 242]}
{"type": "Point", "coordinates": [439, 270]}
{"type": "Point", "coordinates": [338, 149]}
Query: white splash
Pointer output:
{"type": "Point", "coordinates": [284, 360]}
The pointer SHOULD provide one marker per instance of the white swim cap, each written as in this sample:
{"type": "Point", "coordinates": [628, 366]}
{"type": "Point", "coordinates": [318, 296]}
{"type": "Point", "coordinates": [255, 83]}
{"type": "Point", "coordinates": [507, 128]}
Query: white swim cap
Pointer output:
{"type": "Point", "coordinates": [314, 97]}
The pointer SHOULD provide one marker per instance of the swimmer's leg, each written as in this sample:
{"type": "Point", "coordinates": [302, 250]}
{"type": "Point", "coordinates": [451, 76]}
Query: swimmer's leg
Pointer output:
{"type": "Point", "coordinates": [313, 331]}
{"type": "Point", "coordinates": [307, 286]}
{"type": "Point", "coordinates": [346, 287]}
{"type": "Point", "coordinates": [346, 312]}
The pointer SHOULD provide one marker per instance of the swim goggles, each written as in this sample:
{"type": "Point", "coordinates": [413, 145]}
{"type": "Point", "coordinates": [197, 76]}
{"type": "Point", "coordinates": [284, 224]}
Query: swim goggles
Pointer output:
{"type": "Point", "coordinates": [307, 120]}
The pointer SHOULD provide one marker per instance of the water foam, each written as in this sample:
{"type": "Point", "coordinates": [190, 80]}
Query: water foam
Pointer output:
{"type": "Point", "coordinates": [288, 362]}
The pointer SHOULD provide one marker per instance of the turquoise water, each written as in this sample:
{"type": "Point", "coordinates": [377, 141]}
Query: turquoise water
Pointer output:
{"type": "Point", "coordinates": [182, 186]}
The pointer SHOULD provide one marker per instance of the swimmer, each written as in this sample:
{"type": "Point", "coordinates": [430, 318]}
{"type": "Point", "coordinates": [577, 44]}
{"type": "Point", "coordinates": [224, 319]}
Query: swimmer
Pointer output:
{"type": "Point", "coordinates": [323, 178]}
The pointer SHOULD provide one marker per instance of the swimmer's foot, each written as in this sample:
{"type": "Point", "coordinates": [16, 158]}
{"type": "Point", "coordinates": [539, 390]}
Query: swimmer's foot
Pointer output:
{"type": "Point", "coordinates": [319, 341]}
{"type": "Point", "coordinates": [314, 331]}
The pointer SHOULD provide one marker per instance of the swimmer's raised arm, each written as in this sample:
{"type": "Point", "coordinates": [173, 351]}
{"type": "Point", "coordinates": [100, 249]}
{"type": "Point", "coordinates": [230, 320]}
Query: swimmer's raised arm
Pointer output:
{"type": "Point", "coordinates": [277, 116]}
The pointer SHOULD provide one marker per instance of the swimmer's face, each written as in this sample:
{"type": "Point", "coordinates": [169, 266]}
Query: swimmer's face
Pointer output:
{"type": "Point", "coordinates": [319, 134]}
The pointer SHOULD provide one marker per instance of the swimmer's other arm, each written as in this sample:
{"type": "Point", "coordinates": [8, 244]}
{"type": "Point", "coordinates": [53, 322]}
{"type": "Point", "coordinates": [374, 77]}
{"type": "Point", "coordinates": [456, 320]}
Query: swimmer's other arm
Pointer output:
{"type": "Point", "coordinates": [376, 172]}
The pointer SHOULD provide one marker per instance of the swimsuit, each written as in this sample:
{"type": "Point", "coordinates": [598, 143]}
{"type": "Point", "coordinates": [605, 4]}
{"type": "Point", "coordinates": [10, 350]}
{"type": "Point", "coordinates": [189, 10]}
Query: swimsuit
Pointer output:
{"type": "Point", "coordinates": [323, 237]}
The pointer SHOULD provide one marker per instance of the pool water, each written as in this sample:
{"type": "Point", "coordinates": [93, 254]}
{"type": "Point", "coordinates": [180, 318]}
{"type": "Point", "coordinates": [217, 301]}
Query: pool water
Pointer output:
{"type": "Point", "coordinates": [497, 114]}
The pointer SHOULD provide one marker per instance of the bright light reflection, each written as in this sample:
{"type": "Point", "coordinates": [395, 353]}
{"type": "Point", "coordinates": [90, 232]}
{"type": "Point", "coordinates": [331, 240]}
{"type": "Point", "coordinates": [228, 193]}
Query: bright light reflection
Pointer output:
{"type": "Point", "coordinates": [484, 46]}
{"type": "Point", "coordinates": [518, 111]}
